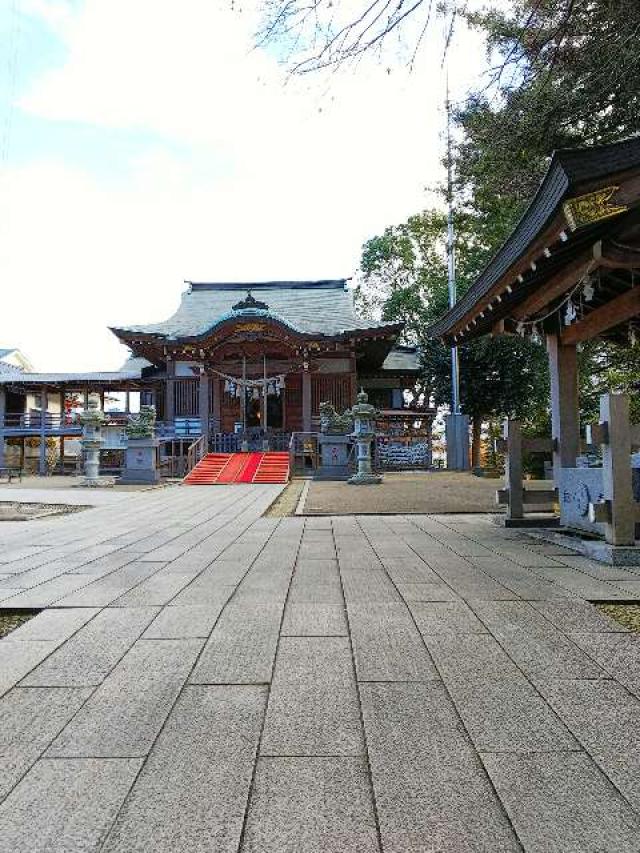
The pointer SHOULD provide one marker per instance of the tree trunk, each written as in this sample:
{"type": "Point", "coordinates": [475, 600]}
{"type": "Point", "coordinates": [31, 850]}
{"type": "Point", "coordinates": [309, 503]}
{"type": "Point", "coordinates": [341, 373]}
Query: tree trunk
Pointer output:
{"type": "Point", "coordinates": [476, 434]}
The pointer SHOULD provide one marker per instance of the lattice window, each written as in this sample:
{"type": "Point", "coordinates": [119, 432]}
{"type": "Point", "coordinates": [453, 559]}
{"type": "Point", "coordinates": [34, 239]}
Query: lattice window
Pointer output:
{"type": "Point", "coordinates": [186, 397]}
{"type": "Point", "coordinates": [330, 389]}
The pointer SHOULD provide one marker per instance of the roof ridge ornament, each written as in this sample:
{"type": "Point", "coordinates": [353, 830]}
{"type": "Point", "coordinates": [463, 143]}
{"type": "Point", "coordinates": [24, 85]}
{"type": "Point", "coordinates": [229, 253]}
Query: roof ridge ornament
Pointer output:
{"type": "Point", "coordinates": [250, 303]}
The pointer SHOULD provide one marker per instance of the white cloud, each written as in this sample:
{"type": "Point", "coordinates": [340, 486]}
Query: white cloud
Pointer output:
{"type": "Point", "coordinates": [300, 176]}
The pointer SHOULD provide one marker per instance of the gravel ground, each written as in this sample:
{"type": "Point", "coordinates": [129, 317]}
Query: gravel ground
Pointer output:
{"type": "Point", "coordinates": [419, 492]}
{"type": "Point", "coordinates": [626, 614]}
{"type": "Point", "coordinates": [285, 505]}
{"type": "Point", "coordinates": [12, 619]}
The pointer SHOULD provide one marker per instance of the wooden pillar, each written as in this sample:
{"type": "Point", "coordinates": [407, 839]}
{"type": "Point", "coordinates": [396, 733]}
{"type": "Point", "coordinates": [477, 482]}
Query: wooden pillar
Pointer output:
{"type": "Point", "coordinates": [3, 410]}
{"type": "Point", "coordinates": [42, 465]}
{"type": "Point", "coordinates": [306, 401]}
{"type": "Point", "coordinates": [86, 399]}
{"type": "Point", "coordinates": [215, 385]}
{"type": "Point", "coordinates": [127, 402]}
{"type": "Point", "coordinates": [203, 403]}
{"type": "Point", "coordinates": [565, 421]}
{"type": "Point", "coordinates": [169, 394]}
{"type": "Point", "coordinates": [62, 454]}
{"type": "Point", "coordinates": [102, 400]}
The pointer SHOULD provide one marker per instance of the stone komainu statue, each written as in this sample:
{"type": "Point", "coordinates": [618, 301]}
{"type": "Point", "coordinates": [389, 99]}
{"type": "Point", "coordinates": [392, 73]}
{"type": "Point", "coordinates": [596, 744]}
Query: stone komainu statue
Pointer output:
{"type": "Point", "coordinates": [142, 425]}
{"type": "Point", "coordinates": [331, 423]}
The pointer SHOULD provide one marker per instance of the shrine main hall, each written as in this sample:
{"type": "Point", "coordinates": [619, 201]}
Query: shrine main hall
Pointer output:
{"type": "Point", "coordinates": [250, 360]}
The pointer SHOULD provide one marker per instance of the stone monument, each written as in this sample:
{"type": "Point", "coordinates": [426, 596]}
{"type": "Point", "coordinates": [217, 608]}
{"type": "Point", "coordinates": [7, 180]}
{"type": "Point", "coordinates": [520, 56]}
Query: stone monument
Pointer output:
{"type": "Point", "coordinates": [92, 419]}
{"type": "Point", "coordinates": [363, 414]}
{"type": "Point", "coordinates": [141, 454]}
{"type": "Point", "coordinates": [334, 440]}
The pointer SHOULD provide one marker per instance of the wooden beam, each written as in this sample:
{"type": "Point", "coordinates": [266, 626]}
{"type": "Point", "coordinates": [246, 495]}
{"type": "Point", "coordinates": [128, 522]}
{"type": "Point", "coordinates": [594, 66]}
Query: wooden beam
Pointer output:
{"type": "Point", "coordinates": [622, 308]}
{"type": "Point", "coordinates": [558, 284]}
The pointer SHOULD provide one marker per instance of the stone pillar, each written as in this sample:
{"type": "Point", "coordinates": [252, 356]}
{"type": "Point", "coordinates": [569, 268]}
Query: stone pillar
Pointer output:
{"type": "Point", "coordinates": [306, 401]}
{"type": "Point", "coordinates": [616, 470]}
{"type": "Point", "coordinates": [565, 421]}
{"type": "Point", "coordinates": [3, 410]}
{"type": "Point", "coordinates": [513, 469]}
{"type": "Point", "coordinates": [457, 437]}
{"type": "Point", "coordinates": [169, 392]}
{"type": "Point", "coordinates": [44, 402]}
{"type": "Point", "coordinates": [203, 403]}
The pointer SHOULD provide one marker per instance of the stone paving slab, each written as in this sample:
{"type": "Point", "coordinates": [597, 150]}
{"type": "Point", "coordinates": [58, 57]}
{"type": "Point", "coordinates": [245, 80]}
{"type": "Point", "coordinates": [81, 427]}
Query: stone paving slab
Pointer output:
{"type": "Point", "coordinates": [508, 715]}
{"type": "Point", "coordinates": [606, 721]}
{"type": "Point", "coordinates": [562, 803]}
{"type": "Point", "coordinates": [183, 622]}
{"type": "Point", "coordinates": [306, 805]}
{"type": "Point", "coordinates": [387, 645]}
{"type": "Point", "coordinates": [313, 704]}
{"type": "Point", "coordinates": [444, 617]}
{"type": "Point", "coordinates": [207, 603]}
{"type": "Point", "coordinates": [55, 624]}
{"type": "Point", "coordinates": [534, 643]}
{"type": "Point", "coordinates": [314, 620]}
{"type": "Point", "coordinates": [242, 646]}
{"type": "Point", "coordinates": [430, 789]}
{"type": "Point", "coordinates": [192, 792]}
{"type": "Point", "coordinates": [466, 657]}
{"type": "Point", "coordinates": [49, 592]}
{"type": "Point", "coordinates": [65, 805]}
{"type": "Point", "coordinates": [29, 720]}
{"type": "Point", "coordinates": [125, 714]}
{"type": "Point", "coordinates": [90, 655]}
{"type": "Point", "coordinates": [18, 659]}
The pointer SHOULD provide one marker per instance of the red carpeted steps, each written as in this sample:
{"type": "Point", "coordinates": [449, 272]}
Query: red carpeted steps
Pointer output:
{"type": "Point", "coordinates": [218, 468]}
{"type": "Point", "coordinates": [208, 469]}
{"type": "Point", "coordinates": [273, 468]}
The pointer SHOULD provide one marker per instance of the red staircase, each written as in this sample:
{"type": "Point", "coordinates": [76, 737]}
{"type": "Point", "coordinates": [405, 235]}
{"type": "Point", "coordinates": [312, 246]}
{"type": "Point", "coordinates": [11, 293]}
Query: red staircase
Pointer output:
{"type": "Point", "coordinates": [218, 468]}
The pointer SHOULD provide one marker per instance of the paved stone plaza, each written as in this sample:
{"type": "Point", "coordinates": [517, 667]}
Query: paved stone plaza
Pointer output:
{"type": "Point", "coordinates": [202, 678]}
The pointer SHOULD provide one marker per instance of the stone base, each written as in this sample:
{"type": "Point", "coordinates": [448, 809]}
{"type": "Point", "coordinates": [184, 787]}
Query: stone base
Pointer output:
{"type": "Point", "coordinates": [365, 480]}
{"type": "Point", "coordinates": [334, 450]}
{"type": "Point", "coordinates": [98, 483]}
{"type": "Point", "coordinates": [139, 477]}
{"type": "Point", "coordinates": [140, 462]}
{"type": "Point", "coordinates": [595, 549]}
{"type": "Point", "coordinates": [530, 521]}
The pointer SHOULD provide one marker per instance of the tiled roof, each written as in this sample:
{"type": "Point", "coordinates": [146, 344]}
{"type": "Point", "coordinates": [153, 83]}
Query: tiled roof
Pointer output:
{"type": "Point", "coordinates": [310, 307]}
{"type": "Point", "coordinates": [568, 169]}
{"type": "Point", "coordinates": [402, 358]}
{"type": "Point", "coordinates": [22, 378]}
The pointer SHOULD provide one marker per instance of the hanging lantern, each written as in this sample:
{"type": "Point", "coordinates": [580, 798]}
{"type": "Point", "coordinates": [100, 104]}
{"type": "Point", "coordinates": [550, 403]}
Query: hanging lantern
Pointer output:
{"type": "Point", "coordinates": [588, 290]}
{"type": "Point", "coordinates": [570, 314]}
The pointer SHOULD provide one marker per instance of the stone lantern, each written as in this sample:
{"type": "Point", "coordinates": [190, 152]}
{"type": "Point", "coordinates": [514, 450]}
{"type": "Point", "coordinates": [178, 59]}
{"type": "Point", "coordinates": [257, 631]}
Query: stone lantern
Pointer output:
{"type": "Point", "coordinates": [363, 414]}
{"type": "Point", "coordinates": [91, 419]}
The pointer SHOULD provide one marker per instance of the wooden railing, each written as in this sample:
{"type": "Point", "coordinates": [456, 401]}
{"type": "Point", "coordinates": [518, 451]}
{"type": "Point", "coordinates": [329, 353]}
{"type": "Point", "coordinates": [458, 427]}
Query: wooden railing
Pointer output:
{"type": "Point", "coordinates": [514, 495]}
{"type": "Point", "coordinates": [302, 446]}
{"type": "Point", "coordinates": [195, 453]}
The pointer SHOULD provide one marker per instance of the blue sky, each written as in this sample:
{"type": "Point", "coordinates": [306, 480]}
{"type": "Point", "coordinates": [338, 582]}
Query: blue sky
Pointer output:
{"type": "Point", "coordinates": [143, 143]}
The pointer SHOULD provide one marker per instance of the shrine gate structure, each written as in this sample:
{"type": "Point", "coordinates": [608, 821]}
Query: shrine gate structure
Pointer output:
{"type": "Point", "coordinates": [570, 272]}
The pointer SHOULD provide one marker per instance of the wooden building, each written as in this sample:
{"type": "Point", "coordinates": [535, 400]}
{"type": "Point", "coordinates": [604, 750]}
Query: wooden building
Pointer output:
{"type": "Point", "coordinates": [569, 272]}
{"type": "Point", "coordinates": [264, 356]}
{"type": "Point", "coordinates": [248, 362]}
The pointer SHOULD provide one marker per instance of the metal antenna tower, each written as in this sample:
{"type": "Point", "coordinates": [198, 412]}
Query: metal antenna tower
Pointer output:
{"type": "Point", "coordinates": [451, 261]}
